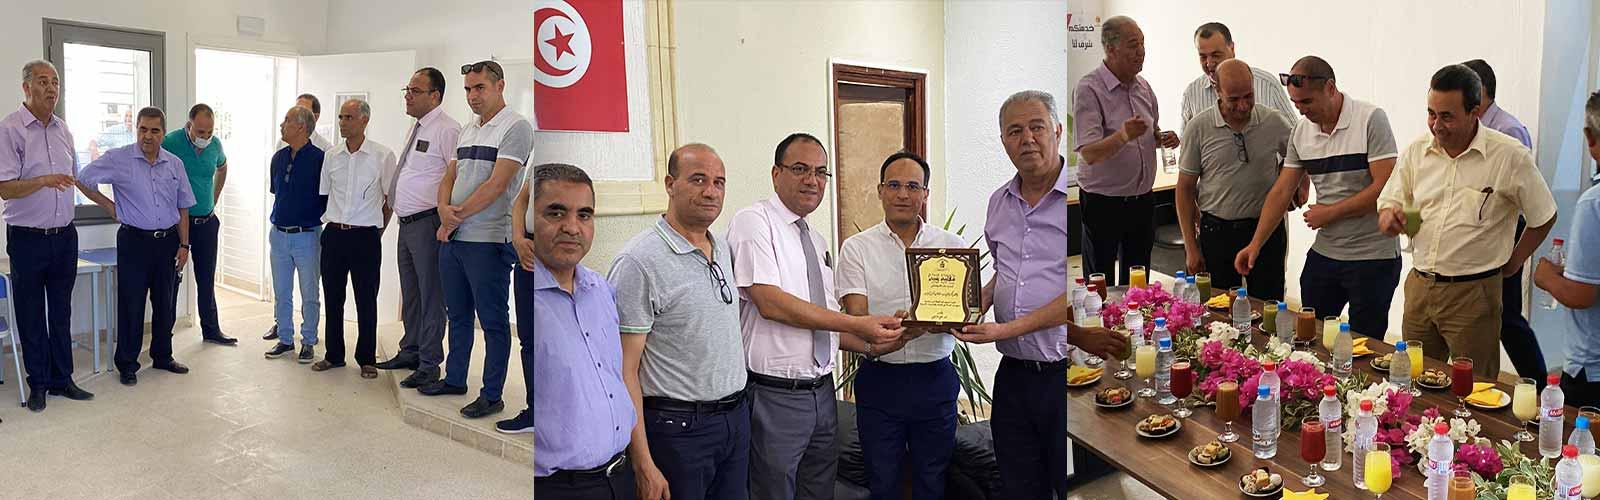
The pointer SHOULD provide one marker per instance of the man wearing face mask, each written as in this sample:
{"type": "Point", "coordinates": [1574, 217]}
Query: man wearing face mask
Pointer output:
{"type": "Point", "coordinates": [207, 166]}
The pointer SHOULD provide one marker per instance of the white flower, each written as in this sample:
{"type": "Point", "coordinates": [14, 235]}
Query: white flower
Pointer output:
{"type": "Point", "coordinates": [1222, 332]}
{"type": "Point", "coordinates": [1461, 431]}
{"type": "Point", "coordinates": [1308, 358]}
{"type": "Point", "coordinates": [1377, 393]}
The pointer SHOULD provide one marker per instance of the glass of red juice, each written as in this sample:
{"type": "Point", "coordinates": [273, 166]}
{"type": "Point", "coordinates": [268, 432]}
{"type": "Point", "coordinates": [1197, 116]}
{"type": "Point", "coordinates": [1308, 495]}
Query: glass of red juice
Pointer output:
{"type": "Point", "coordinates": [1182, 385]}
{"type": "Point", "coordinates": [1461, 384]}
{"type": "Point", "coordinates": [1313, 448]}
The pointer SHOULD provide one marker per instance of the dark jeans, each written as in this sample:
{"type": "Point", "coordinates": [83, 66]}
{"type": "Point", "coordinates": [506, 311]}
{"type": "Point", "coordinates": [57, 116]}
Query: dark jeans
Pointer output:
{"type": "Point", "coordinates": [1118, 232]}
{"type": "Point", "coordinates": [618, 487]}
{"type": "Point", "coordinates": [203, 242]}
{"type": "Point", "coordinates": [43, 270]}
{"type": "Point", "coordinates": [1579, 391]}
{"type": "Point", "coordinates": [704, 455]}
{"type": "Point", "coordinates": [522, 279]}
{"type": "Point", "coordinates": [477, 282]}
{"type": "Point", "coordinates": [1030, 429]}
{"type": "Point", "coordinates": [353, 256]}
{"type": "Point", "coordinates": [146, 270]}
{"type": "Point", "coordinates": [1366, 285]}
{"type": "Point", "coordinates": [906, 417]}
{"type": "Point", "coordinates": [1221, 240]}
{"type": "Point", "coordinates": [1522, 346]}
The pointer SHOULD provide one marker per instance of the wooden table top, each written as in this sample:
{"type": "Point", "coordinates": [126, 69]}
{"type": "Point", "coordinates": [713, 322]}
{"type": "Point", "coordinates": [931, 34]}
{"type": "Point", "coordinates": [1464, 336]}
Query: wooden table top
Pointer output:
{"type": "Point", "coordinates": [1163, 464]}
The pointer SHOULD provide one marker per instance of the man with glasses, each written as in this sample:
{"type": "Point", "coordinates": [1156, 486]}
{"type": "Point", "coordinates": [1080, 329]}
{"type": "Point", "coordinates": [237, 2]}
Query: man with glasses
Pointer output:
{"type": "Point", "coordinates": [476, 257]}
{"type": "Point", "coordinates": [1226, 167]}
{"type": "Point", "coordinates": [784, 273]}
{"type": "Point", "coordinates": [682, 355]}
{"type": "Point", "coordinates": [414, 198]}
{"type": "Point", "coordinates": [1347, 148]}
{"type": "Point", "coordinates": [201, 152]}
{"type": "Point", "coordinates": [905, 391]}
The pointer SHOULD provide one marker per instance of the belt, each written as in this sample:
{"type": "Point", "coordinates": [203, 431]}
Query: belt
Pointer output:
{"type": "Point", "coordinates": [719, 406]}
{"type": "Point", "coordinates": [295, 229]}
{"type": "Point", "coordinates": [347, 227]}
{"type": "Point", "coordinates": [1457, 279]}
{"type": "Point", "coordinates": [157, 234]}
{"type": "Point", "coordinates": [1136, 197]}
{"type": "Point", "coordinates": [201, 220]}
{"type": "Point", "coordinates": [790, 384]}
{"type": "Point", "coordinates": [611, 468]}
{"type": "Point", "coordinates": [407, 219]}
{"type": "Point", "coordinates": [47, 231]}
{"type": "Point", "coordinates": [1212, 220]}
{"type": "Point", "coordinates": [1037, 366]}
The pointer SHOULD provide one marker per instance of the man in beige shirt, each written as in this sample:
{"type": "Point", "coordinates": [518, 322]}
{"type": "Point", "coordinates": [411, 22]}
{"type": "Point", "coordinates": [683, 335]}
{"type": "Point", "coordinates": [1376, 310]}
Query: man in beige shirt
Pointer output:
{"type": "Point", "coordinates": [1470, 184]}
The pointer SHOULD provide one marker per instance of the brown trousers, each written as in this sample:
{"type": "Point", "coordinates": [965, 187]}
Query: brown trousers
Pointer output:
{"type": "Point", "coordinates": [1455, 319]}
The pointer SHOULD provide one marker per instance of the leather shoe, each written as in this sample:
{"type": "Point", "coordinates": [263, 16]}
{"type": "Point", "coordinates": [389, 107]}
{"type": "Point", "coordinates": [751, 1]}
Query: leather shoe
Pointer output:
{"type": "Point", "coordinates": [400, 362]}
{"type": "Point", "coordinates": [440, 388]}
{"type": "Point", "coordinates": [36, 400]}
{"type": "Point", "coordinates": [171, 366]}
{"type": "Point", "coordinates": [272, 333]}
{"type": "Point", "coordinates": [219, 339]}
{"type": "Point", "coordinates": [420, 378]}
{"type": "Point", "coordinates": [130, 379]}
{"type": "Point", "coordinates": [72, 392]}
{"type": "Point", "coordinates": [480, 408]}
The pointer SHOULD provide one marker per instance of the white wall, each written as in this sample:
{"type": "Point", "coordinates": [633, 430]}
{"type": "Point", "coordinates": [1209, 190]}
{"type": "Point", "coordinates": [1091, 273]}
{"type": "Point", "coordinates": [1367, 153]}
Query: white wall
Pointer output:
{"type": "Point", "coordinates": [1382, 51]}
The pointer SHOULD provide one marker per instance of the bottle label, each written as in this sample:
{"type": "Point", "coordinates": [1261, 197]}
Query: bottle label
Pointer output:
{"type": "Point", "coordinates": [1554, 412]}
{"type": "Point", "coordinates": [1575, 491]}
{"type": "Point", "coordinates": [1334, 425]}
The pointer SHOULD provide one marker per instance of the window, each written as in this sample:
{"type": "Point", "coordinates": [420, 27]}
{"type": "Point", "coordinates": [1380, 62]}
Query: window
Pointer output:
{"type": "Point", "coordinates": [107, 75]}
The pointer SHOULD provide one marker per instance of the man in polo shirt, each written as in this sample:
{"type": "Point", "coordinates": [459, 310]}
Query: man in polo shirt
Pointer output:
{"type": "Point", "coordinates": [1574, 285]}
{"type": "Point", "coordinates": [207, 167]}
{"type": "Point", "coordinates": [576, 367]}
{"type": "Point", "coordinates": [1470, 183]}
{"type": "Point", "coordinates": [415, 199]}
{"type": "Point", "coordinates": [1027, 233]}
{"type": "Point", "coordinates": [356, 178]}
{"type": "Point", "coordinates": [1522, 346]}
{"type": "Point", "coordinates": [1117, 134]}
{"type": "Point", "coordinates": [905, 392]}
{"type": "Point", "coordinates": [37, 170]}
{"type": "Point", "coordinates": [1214, 41]}
{"type": "Point", "coordinates": [682, 356]}
{"type": "Point", "coordinates": [153, 197]}
{"type": "Point", "coordinates": [784, 273]}
{"type": "Point", "coordinates": [476, 258]}
{"type": "Point", "coordinates": [1347, 148]}
{"type": "Point", "coordinates": [297, 207]}
{"type": "Point", "coordinates": [1226, 167]}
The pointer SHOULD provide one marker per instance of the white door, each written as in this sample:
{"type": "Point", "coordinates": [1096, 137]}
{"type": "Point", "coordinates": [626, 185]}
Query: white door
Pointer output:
{"type": "Point", "coordinates": [376, 77]}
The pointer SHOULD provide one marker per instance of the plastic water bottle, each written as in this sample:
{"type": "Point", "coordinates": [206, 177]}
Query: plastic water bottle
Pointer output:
{"type": "Point", "coordinates": [1161, 331]}
{"type": "Point", "coordinates": [1581, 437]}
{"type": "Point", "coordinates": [1241, 311]}
{"type": "Point", "coordinates": [1264, 417]}
{"type": "Point", "coordinates": [1269, 379]}
{"type": "Point", "coordinates": [1332, 415]}
{"type": "Point", "coordinates": [1343, 352]}
{"type": "Point", "coordinates": [1133, 320]}
{"type": "Point", "coordinates": [1285, 322]}
{"type": "Point", "coordinates": [1191, 294]}
{"type": "Point", "coordinates": [1366, 434]}
{"type": "Point", "coordinates": [1078, 294]}
{"type": "Point", "coordinates": [1164, 367]}
{"type": "Point", "coordinates": [1400, 366]}
{"type": "Point", "coordinates": [1569, 475]}
{"type": "Point", "coordinates": [1550, 403]}
{"type": "Point", "coordinates": [1557, 255]}
{"type": "Point", "coordinates": [1092, 306]}
{"type": "Point", "coordinates": [1441, 453]}
{"type": "Point", "coordinates": [1178, 283]}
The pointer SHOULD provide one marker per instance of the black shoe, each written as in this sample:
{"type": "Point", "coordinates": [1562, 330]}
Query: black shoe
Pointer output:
{"type": "Point", "coordinates": [220, 339]}
{"type": "Point", "coordinates": [72, 392]}
{"type": "Point", "coordinates": [129, 379]}
{"type": "Point", "coordinates": [171, 366]}
{"type": "Point", "coordinates": [308, 353]}
{"type": "Point", "coordinates": [399, 362]}
{"type": "Point", "coordinates": [480, 408]}
{"type": "Point", "coordinates": [36, 400]}
{"type": "Point", "coordinates": [278, 350]}
{"type": "Point", "coordinates": [520, 424]}
{"type": "Point", "coordinates": [420, 378]}
{"type": "Point", "coordinates": [272, 333]}
{"type": "Point", "coordinates": [440, 388]}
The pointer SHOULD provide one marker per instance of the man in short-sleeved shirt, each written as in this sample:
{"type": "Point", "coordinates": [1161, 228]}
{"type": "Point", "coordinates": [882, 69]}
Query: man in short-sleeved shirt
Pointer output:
{"type": "Point", "coordinates": [1214, 41]}
{"type": "Point", "coordinates": [207, 166]}
{"type": "Point", "coordinates": [1470, 184]}
{"type": "Point", "coordinates": [1575, 284]}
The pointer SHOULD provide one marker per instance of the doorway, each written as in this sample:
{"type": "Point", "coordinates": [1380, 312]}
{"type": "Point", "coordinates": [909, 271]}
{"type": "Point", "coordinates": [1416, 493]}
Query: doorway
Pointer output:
{"type": "Point", "coordinates": [877, 112]}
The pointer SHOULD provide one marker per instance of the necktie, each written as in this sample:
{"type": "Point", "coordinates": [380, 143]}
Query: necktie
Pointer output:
{"type": "Point", "coordinates": [395, 185]}
{"type": "Point", "coordinates": [820, 340]}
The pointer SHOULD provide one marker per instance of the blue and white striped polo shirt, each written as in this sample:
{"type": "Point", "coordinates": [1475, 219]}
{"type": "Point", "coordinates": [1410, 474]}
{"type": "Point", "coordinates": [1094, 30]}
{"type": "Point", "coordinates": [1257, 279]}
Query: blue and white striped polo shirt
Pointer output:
{"type": "Point", "coordinates": [508, 135]}
{"type": "Point", "coordinates": [1338, 164]}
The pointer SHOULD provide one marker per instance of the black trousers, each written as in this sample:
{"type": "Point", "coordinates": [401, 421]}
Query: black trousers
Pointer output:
{"type": "Point", "coordinates": [203, 242]}
{"type": "Point", "coordinates": [1030, 429]}
{"type": "Point", "coordinates": [1579, 391]}
{"type": "Point", "coordinates": [1327, 285]}
{"type": "Point", "coordinates": [146, 270]}
{"type": "Point", "coordinates": [1222, 239]}
{"type": "Point", "coordinates": [1118, 232]}
{"type": "Point", "coordinates": [705, 455]}
{"type": "Point", "coordinates": [1522, 346]}
{"type": "Point", "coordinates": [351, 256]}
{"type": "Point", "coordinates": [44, 269]}
{"type": "Point", "coordinates": [522, 284]}
{"type": "Point", "coordinates": [617, 487]}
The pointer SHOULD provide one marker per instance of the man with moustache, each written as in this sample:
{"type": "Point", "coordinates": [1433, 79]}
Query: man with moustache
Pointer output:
{"type": "Point", "coordinates": [207, 166]}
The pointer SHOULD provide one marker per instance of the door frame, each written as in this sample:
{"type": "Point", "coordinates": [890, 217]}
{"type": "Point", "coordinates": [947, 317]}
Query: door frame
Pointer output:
{"type": "Point", "coordinates": [913, 80]}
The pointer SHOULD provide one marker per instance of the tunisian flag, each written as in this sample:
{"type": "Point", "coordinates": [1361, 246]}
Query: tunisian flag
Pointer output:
{"type": "Point", "coordinates": [580, 75]}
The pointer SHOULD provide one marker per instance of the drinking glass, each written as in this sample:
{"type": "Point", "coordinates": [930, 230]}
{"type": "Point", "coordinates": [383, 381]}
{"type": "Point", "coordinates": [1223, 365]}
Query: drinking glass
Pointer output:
{"type": "Point", "coordinates": [1313, 448]}
{"type": "Point", "coordinates": [1145, 365]}
{"type": "Point", "coordinates": [1182, 385]}
{"type": "Point", "coordinates": [1305, 327]}
{"type": "Point", "coordinates": [1461, 384]}
{"type": "Point", "coordinates": [1521, 488]}
{"type": "Point", "coordinates": [1123, 373]}
{"type": "Point", "coordinates": [1525, 406]}
{"type": "Point", "coordinates": [1330, 332]}
{"type": "Point", "coordinates": [1228, 410]}
{"type": "Point", "coordinates": [1461, 486]}
{"type": "Point", "coordinates": [1379, 473]}
{"type": "Point", "coordinates": [1099, 280]}
{"type": "Point", "coordinates": [1414, 349]}
{"type": "Point", "coordinates": [1138, 277]}
{"type": "Point", "coordinates": [1203, 280]}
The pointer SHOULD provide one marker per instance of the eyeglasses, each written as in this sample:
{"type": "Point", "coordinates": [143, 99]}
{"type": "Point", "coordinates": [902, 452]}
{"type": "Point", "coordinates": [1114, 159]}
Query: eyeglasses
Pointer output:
{"type": "Point", "coordinates": [722, 283]}
{"type": "Point", "coordinates": [803, 170]}
{"type": "Point", "coordinates": [897, 186]}
{"type": "Point", "coordinates": [492, 66]}
{"type": "Point", "coordinates": [1238, 141]}
{"type": "Point", "coordinates": [1299, 80]}
{"type": "Point", "coordinates": [414, 91]}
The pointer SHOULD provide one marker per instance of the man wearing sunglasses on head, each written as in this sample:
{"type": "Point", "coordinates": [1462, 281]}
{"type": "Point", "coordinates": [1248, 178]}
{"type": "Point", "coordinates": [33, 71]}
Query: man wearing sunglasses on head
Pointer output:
{"type": "Point", "coordinates": [1225, 170]}
{"type": "Point", "coordinates": [1348, 149]}
{"type": "Point", "coordinates": [682, 353]}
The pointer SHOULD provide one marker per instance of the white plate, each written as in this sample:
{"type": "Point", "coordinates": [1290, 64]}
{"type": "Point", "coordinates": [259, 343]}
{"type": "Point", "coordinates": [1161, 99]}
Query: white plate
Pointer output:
{"type": "Point", "coordinates": [1088, 383]}
{"type": "Point", "coordinates": [1374, 364]}
{"type": "Point", "coordinates": [1178, 425]}
{"type": "Point", "coordinates": [1505, 400]}
{"type": "Point", "coordinates": [1124, 403]}
{"type": "Point", "coordinates": [1269, 493]}
{"type": "Point", "coordinates": [1196, 450]}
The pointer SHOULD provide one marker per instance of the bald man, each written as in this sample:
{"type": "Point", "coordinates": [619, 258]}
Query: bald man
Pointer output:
{"type": "Point", "coordinates": [1225, 170]}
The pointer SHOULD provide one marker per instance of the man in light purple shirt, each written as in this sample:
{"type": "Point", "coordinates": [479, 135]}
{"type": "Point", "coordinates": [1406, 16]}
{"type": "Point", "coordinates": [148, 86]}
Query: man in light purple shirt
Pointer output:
{"type": "Point", "coordinates": [37, 166]}
{"type": "Point", "coordinates": [576, 363]}
{"type": "Point", "coordinates": [1118, 132]}
{"type": "Point", "coordinates": [153, 197]}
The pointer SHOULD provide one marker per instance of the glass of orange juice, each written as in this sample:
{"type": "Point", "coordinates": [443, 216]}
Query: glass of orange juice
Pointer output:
{"type": "Point", "coordinates": [1138, 277]}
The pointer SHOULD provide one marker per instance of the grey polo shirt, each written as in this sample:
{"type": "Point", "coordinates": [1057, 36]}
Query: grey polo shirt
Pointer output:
{"type": "Point", "coordinates": [666, 288]}
{"type": "Point", "coordinates": [506, 136]}
{"type": "Point", "coordinates": [1233, 183]}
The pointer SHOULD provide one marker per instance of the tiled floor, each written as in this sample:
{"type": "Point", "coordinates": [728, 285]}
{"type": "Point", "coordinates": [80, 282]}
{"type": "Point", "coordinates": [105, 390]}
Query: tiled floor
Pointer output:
{"type": "Point", "coordinates": [239, 427]}
{"type": "Point", "coordinates": [1117, 486]}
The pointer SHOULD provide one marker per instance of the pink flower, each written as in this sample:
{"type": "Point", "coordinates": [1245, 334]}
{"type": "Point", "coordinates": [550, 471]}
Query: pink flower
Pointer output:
{"type": "Point", "coordinates": [1480, 459]}
{"type": "Point", "coordinates": [1431, 413]}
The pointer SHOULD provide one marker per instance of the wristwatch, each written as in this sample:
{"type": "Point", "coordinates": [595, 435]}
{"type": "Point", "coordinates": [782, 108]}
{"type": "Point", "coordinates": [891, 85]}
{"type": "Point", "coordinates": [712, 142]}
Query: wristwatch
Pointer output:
{"type": "Point", "coordinates": [869, 351]}
{"type": "Point", "coordinates": [184, 246]}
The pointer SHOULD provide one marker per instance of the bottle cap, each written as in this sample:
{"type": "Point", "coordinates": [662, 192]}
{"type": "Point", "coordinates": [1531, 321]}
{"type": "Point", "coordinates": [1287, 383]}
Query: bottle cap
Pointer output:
{"type": "Point", "coordinates": [1165, 343]}
{"type": "Point", "coordinates": [1328, 390]}
{"type": "Point", "coordinates": [1078, 280]}
{"type": "Point", "coordinates": [1264, 391]}
{"type": "Point", "coordinates": [1558, 241]}
{"type": "Point", "coordinates": [1180, 275]}
{"type": "Point", "coordinates": [1366, 405]}
{"type": "Point", "coordinates": [1400, 346]}
{"type": "Point", "coordinates": [1582, 423]}
{"type": "Point", "coordinates": [1189, 280]}
{"type": "Point", "coordinates": [1344, 327]}
{"type": "Point", "coordinates": [1553, 379]}
{"type": "Point", "coordinates": [1569, 451]}
{"type": "Point", "coordinates": [1441, 428]}
{"type": "Point", "coordinates": [1133, 305]}
{"type": "Point", "coordinates": [1161, 322]}
{"type": "Point", "coordinates": [1243, 293]}
{"type": "Point", "coordinates": [1270, 366]}
{"type": "Point", "coordinates": [1283, 307]}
